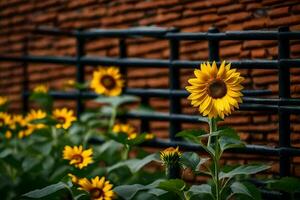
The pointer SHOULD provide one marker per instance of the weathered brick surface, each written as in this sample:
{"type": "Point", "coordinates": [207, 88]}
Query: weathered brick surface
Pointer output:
{"type": "Point", "coordinates": [19, 17]}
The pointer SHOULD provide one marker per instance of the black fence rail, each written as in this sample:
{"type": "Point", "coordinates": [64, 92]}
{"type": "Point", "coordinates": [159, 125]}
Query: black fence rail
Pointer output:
{"type": "Point", "coordinates": [283, 105]}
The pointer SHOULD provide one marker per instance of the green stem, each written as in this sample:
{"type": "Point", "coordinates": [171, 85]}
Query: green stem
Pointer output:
{"type": "Point", "coordinates": [86, 138]}
{"type": "Point", "coordinates": [213, 128]}
{"type": "Point", "coordinates": [54, 136]}
{"type": "Point", "coordinates": [112, 118]}
{"type": "Point", "coordinates": [125, 154]}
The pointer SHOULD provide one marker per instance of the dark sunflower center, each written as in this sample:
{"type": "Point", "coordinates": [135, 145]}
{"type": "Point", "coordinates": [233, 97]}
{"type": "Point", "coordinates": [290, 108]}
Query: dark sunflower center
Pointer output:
{"type": "Point", "coordinates": [108, 82]}
{"type": "Point", "coordinates": [96, 193]}
{"type": "Point", "coordinates": [217, 89]}
{"type": "Point", "coordinates": [61, 120]}
{"type": "Point", "coordinates": [1, 121]}
{"type": "Point", "coordinates": [78, 158]}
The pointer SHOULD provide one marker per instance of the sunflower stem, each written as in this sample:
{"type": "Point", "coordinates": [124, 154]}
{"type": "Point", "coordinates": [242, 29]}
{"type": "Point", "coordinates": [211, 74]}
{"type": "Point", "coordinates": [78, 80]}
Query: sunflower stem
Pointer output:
{"type": "Point", "coordinates": [126, 151]}
{"type": "Point", "coordinates": [212, 128]}
{"type": "Point", "coordinates": [216, 157]}
{"type": "Point", "coordinates": [112, 118]}
{"type": "Point", "coordinates": [54, 135]}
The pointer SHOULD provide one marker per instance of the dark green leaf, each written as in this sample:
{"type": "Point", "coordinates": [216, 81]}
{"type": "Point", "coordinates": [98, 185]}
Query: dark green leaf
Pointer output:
{"type": "Point", "coordinates": [127, 192]}
{"type": "Point", "coordinates": [191, 135]}
{"type": "Point", "coordinates": [239, 188]}
{"type": "Point", "coordinates": [117, 100]}
{"type": "Point", "coordinates": [243, 170]}
{"type": "Point", "coordinates": [285, 184]}
{"type": "Point", "coordinates": [192, 160]}
{"type": "Point", "coordinates": [46, 191]}
{"type": "Point", "coordinates": [229, 139]}
{"type": "Point", "coordinates": [135, 164]}
{"type": "Point", "coordinates": [29, 163]}
{"type": "Point", "coordinates": [200, 192]}
{"type": "Point", "coordinates": [176, 186]}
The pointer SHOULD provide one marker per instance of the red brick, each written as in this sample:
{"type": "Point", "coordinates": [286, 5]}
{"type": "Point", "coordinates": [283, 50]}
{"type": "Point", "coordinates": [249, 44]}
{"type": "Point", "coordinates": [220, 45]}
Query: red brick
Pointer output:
{"type": "Point", "coordinates": [80, 3]}
{"type": "Point", "coordinates": [251, 44]}
{"type": "Point", "coordinates": [278, 12]}
{"type": "Point", "coordinates": [197, 13]}
{"type": "Point", "coordinates": [253, 6]}
{"type": "Point", "coordinates": [210, 18]}
{"type": "Point", "coordinates": [221, 2]}
{"type": "Point", "coordinates": [255, 24]}
{"type": "Point", "coordinates": [162, 18]}
{"type": "Point", "coordinates": [271, 2]}
{"type": "Point", "coordinates": [238, 17]}
{"type": "Point", "coordinates": [295, 19]}
{"type": "Point", "coordinates": [230, 8]}
{"type": "Point", "coordinates": [296, 9]}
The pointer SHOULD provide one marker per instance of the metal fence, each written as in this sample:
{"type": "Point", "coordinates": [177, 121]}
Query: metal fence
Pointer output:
{"type": "Point", "coordinates": [284, 105]}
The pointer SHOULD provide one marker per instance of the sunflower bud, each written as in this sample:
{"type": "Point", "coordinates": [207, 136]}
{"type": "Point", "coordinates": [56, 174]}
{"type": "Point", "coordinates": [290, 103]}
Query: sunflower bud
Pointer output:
{"type": "Point", "coordinates": [171, 160]}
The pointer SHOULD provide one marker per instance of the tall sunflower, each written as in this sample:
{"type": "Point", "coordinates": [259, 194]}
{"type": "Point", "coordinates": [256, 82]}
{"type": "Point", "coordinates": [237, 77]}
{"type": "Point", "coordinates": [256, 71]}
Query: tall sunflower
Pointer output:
{"type": "Point", "coordinates": [125, 128]}
{"type": "Point", "coordinates": [107, 81]}
{"type": "Point", "coordinates": [98, 188]}
{"type": "Point", "coordinates": [78, 157]}
{"type": "Point", "coordinates": [215, 91]}
{"type": "Point", "coordinates": [64, 117]}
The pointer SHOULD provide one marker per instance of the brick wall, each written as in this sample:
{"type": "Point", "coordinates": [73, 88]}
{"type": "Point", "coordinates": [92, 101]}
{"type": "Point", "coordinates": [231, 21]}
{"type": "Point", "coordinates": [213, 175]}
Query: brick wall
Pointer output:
{"type": "Point", "coordinates": [18, 17]}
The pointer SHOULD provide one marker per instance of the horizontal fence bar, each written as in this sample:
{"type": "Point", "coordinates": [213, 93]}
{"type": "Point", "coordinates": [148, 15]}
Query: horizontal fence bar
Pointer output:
{"type": "Point", "coordinates": [44, 30]}
{"type": "Point", "coordinates": [235, 35]}
{"type": "Point", "coordinates": [168, 34]}
{"type": "Point", "coordinates": [284, 103]}
{"type": "Point", "coordinates": [250, 104]}
{"type": "Point", "coordinates": [248, 149]}
{"type": "Point", "coordinates": [155, 63]}
{"type": "Point", "coordinates": [131, 32]}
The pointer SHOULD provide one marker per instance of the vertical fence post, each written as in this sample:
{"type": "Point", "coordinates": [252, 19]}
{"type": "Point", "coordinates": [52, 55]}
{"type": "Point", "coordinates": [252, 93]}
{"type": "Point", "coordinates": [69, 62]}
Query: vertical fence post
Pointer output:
{"type": "Point", "coordinates": [25, 88]}
{"type": "Point", "coordinates": [174, 83]}
{"type": "Point", "coordinates": [284, 93]}
{"type": "Point", "coordinates": [175, 106]}
{"type": "Point", "coordinates": [80, 43]}
{"type": "Point", "coordinates": [213, 46]}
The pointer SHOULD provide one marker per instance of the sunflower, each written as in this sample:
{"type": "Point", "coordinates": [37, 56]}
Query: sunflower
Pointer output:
{"type": "Point", "coordinates": [64, 118]}
{"type": "Point", "coordinates": [170, 155]}
{"type": "Point", "coordinates": [74, 179]}
{"type": "Point", "coordinates": [149, 136]}
{"type": "Point", "coordinates": [215, 91]}
{"type": "Point", "coordinates": [5, 119]}
{"type": "Point", "coordinates": [3, 100]}
{"type": "Point", "coordinates": [107, 81]}
{"type": "Point", "coordinates": [98, 188]}
{"type": "Point", "coordinates": [18, 121]}
{"type": "Point", "coordinates": [125, 128]}
{"type": "Point", "coordinates": [78, 157]}
{"type": "Point", "coordinates": [35, 115]}
{"type": "Point", "coordinates": [8, 134]}
{"type": "Point", "coordinates": [26, 131]}
{"type": "Point", "coordinates": [41, 89]}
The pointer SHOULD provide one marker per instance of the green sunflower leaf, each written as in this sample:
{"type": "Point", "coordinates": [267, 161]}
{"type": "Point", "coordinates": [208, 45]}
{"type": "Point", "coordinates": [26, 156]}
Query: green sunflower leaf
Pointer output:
{"type": "Point", "coordinates": [191, 135]}
{"type": "Point", "coordinates": [47, 191]}
{"type": "Point", "coordinates": [117, 100]}
{"type": "Point", "coordinates": [243, 170]}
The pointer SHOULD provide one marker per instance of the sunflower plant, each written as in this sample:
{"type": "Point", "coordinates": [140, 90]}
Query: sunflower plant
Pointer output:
{"type": "Point", "coordinates": [216, 92]}
{"type": "Point", "coordinates": [50, 153]}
